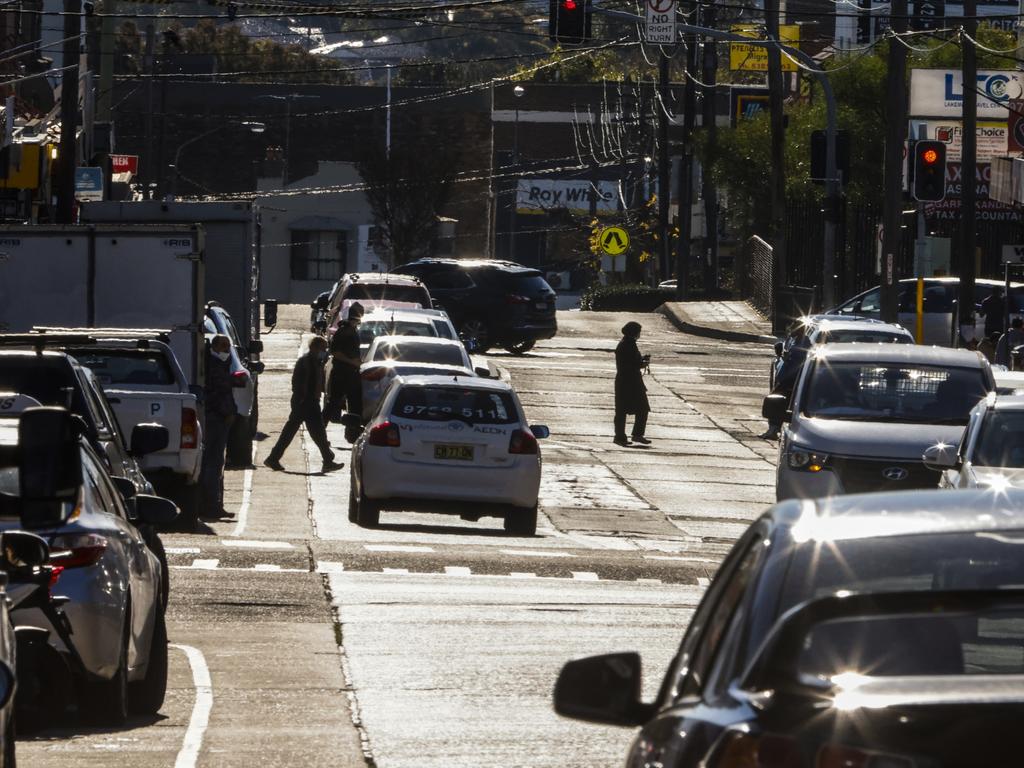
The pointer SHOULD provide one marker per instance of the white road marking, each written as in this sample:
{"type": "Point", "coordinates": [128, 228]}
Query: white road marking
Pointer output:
{"type": "Point", "coordinates": [585, 576]}
{"type": "Point", "coordinates": [457, 570]}
{"type": "Point", "coordinates": [205, 565]}
{"type": "Point", "coordinates": [244, 544]}
{"type": "Point", "coordinates": [188, 755]}
{"type": "Point", "coordinates": [519, 575]}
{"type": "Point", "coordinates": [681, 559]}
{"type": "Point", "coordinates": [396, 548]}
{"type": "Point", "coordinates": [396, 571]}
{"type": "Point", "coordinates": [181, 550]}
{"type": "Point", "coordinates": [536, 553]}
{"type": "Point", "coordinates": [648, 581]}
{"type": "Point", "coordinates": [266, 567]}
{"type": "Point", "coordinates": [329, 566]}
{"type": "Point", "coordinates": [243, 508]}
{"type": "Point", "coordinates": [702, 581]}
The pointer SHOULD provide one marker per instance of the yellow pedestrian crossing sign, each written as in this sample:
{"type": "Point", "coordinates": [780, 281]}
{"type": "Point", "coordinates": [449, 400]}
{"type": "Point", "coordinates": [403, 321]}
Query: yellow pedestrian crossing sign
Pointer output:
{"type": "Point", "coordinates": [614, 240]}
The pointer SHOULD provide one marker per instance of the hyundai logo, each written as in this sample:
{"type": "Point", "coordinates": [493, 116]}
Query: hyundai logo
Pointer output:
{"type": "Point", "coordinates": [895, 473]}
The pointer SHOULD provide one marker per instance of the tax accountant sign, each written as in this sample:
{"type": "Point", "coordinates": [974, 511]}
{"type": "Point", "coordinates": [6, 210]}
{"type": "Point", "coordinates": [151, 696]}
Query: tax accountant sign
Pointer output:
{"type": "Point", "coordinates": [940, 92]}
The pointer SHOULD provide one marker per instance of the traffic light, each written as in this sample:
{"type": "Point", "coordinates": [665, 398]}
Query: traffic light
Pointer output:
{"type": "Point", "coordinates": [929, 179]}
{"type": "Point", "coordinates": [819, 143]}
{"type": "Point", "coordinates": [569, 22]}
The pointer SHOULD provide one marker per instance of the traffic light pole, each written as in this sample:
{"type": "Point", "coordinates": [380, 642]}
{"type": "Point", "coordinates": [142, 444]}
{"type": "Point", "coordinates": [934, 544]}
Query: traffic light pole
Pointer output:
{"type": "Point", "coordinates": [968, 181]}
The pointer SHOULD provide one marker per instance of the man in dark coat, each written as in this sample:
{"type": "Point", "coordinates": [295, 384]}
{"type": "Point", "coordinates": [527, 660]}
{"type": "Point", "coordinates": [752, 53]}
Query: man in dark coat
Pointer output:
{"type": "Point", "coordinates": [630, 392]}
{"type": "Point", "coordinates": [307, 387]}
{"type": "Point", "coordinates": [993, 309]}
{"type": "Point", "coordinates": [345, 388]}
{"type": "Point", "coordinates": [220, 410]}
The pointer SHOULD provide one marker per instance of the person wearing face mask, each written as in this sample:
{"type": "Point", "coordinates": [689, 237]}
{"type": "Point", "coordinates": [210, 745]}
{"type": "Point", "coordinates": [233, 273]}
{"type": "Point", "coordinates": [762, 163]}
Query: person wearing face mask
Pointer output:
{"type": "Point", "coordinates": [630, 391]}
{"type": "Point", "coordinates": [345, 388]}
{"type": "Point", "coordinates": [307, 387]}
{"type": "Point", "coordinates": [220, 414]}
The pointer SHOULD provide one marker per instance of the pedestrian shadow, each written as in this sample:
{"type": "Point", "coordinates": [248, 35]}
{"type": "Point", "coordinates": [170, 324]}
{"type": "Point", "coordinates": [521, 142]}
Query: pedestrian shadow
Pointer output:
{"type": "Point", "coordinates": [455, 530]}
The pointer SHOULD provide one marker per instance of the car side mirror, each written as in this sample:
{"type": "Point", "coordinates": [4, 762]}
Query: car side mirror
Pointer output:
{"type": "Point", "coordinates": [256, 347]}
{"type": "Point", "coordinates": [257, 367]}
{"type": "Point", "coordinates": [775, 408]}
{"type": "Point", "coordinates": [149, 438]}
{"type": "Point", "coordinates": [23, 550]}
{"type": "Point", "coordinates": [778, 349]}
{"type": "Point", "coordinates": [482, 371]}
{"type": "Point", "coordinates": [602, 689]}
{"type": "Point", "coordinates": [540, 431]}
{"type": "Point", "coordinates": [940, 457]}
{"type": "Point", "coordinates": [155, 510]}
{"type": "Point", "coordinates": [270, 313]}
{"type": "Point", "coordinates": [49, 466]}
{"type": "Point", "coordinates": [125, 487]}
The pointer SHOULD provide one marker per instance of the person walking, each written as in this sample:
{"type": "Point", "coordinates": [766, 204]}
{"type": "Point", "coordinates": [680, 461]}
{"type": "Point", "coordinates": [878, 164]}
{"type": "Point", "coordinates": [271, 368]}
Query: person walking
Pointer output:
{"type": "Point", "coordinates": [345, 388]}
{"type": "Point", "coordinates": [307, 387]}
{"type": "Point", "coordinates": [1009, 341]}
{"type": "Point", "coordinates": [630, 391]}
{"type": "Point", "coordinates": [993, 309]}
{"type": "Point", "coordinates": [220, 415]}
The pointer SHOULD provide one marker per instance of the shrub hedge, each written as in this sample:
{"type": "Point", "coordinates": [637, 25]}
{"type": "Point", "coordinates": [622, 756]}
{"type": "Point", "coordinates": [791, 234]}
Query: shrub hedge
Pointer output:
{"type": "Point", "coordinates": [630, 297]}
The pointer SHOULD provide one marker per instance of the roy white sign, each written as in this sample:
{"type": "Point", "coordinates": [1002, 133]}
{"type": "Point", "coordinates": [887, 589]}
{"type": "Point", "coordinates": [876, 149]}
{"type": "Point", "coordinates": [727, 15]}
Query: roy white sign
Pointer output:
{"type": "Point", "coordinates": [940, 93]}
{"type": "Point", "coordinates": [542, 195]}
{"type": "Point", "coordinates": [661, 21]}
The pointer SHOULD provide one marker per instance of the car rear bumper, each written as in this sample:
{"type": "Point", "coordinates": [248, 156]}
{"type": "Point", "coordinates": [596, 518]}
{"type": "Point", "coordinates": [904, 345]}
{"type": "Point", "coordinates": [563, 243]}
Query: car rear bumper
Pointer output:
{"type": "Point", "coordinates": [384, 479]}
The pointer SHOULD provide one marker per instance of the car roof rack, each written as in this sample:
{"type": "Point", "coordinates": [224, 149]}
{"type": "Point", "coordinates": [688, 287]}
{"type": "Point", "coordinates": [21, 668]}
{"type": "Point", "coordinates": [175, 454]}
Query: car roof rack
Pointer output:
{"type": "Point", "coordinates": [49, 338]}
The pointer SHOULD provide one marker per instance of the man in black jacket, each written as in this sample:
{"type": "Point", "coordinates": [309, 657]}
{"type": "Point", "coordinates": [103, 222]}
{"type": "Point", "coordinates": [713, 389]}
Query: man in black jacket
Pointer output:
{"type": "Point", "coordinates": [630, 392]}
{"type": "Point", "coordinates": [307, 386]}
{"type": "Point", "coordinates": [220, 414]}
{"type": "Point", "coordinates": [344, 387]}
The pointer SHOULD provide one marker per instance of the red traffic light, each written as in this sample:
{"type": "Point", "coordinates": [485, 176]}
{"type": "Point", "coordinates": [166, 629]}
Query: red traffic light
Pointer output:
{"type": "Point", "coordinates": [569, 5]}
{"type": "Point", "coordinates": [929, 157]}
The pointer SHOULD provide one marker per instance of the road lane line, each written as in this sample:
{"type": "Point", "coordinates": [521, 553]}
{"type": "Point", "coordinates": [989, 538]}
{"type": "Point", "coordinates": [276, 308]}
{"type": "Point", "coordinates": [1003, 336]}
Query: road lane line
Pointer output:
{"type": "Point", "coordinates": [205, 565]}
{"type": "Point", "coordinates": [396, 548]}
{"type": "Point", "coordinates": [536, 553]}
{"type": "Point", "coordinates": [521, 575]}
{"type": "Point", "coordinates": [585, 576]}
{"type": "Point", "coordinates": [396, 571]}
{"type": "Point", "coordinates": [329, 566]}
{"type": "Point", "coordinates": [270, 567]}
{"type": "Point", "coordinates": [243, 508]}
{"type": "Point", "coordinates": [188, 755]}
{"type": "Point", "coordinates": [457, 570]}
{"type": "Point", "coordinates": [181, 550]}
{"type": "Point", "coordinates": [255, 544]}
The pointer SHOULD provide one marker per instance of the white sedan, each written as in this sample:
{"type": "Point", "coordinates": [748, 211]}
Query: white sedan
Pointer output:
{"type": "Point", "coordinates": [450, 445]}
{"type": "Point", "coordinates": [418, 349]}
{"type": "Point", "coordinates": [991, 453]}
{"type": "Point", "coordinates": [377, 376]}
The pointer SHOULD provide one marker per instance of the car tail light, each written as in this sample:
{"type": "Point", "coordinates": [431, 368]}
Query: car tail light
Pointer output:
{"type": "Point", "coordinates": [240, 378]}
{"type": "Point", "coordinates": [55, 572]}
{"type": "Point", "coordinates": [522, 442]}
{"type": "Point", "coordinates": [515, 298]}
{"type": "Point", "coordinates": [374, 374]}
{"type": "Point", "coordinates": [77, 550]}
{"type": "Point", "coordinates": [189, 428]}
{"type": "Point", "coordinates": [385, 434]}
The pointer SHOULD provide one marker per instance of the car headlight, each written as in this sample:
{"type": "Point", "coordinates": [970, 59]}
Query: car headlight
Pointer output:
{"type": "Point", "coordinates": [806, 460]}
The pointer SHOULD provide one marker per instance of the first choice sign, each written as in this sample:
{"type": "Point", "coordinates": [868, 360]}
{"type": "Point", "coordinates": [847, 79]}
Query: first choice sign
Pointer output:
{"type": "Point", "coordinates": [661, 21]}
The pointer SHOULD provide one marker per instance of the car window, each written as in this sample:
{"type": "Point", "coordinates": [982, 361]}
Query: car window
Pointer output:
{"type": "Point", "coordinates": [113, 367]}
{"type": "Point", "coordinates": [862, 336]}
{"type": "Point", "coordinates": [412, 294]}
{"type": "Point", "coordinates": [105, 420]}
{"type": "Point", "coordinates": [448, 280]}
{"type": "Point", "coordinates": [97, 487]}
{"type": "Point", "coordinates": [438, 354]}
{"type": "Point", "coordinates": [892, 392]}
{"type": "Point", "coordinates": [527, 284]}
{"type": "Point", "coordinates": [370, 329]}
{"type": "Point", "coordinates": [1000, 440]}
{"type": "Point", "coordinates": [443, 329]}
{"type": "Point", "coordinates": [208, 326]}
{"type": "Point", "coordinates": [870, 302]}
{"type": "Point", "coordinates": [475, 406]}
{"type": "Point", "coordinates": [229, 326]}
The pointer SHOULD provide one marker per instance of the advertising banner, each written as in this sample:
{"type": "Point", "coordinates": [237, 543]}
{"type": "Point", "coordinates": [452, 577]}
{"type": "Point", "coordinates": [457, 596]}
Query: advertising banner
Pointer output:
{"type": "Point", "coordinates": [754, 58]}
{"type": "Point", "coordinates": [991, 137]}
{"type": "Point", "coordinates": [537, 196]}
{"type": "Point", "coordinates": [940, 93]}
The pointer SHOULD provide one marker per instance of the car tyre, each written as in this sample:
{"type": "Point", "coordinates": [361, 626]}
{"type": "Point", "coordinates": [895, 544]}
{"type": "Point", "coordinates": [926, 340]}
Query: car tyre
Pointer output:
{"type": "Point", "coordinates": [147, 695]}
{"type": "Point", "coordinates": [521, 521]}
{"type": "Point", "coordinates": [521, 347]}
{"type": "Point", "coordinates": [353, 503]}
{"type": "Point", "coordinates": [477, 330]}
{"type": "Point", "coordinates": [106, 702]}
{"type": "Point", "coordinates": [367, 513]}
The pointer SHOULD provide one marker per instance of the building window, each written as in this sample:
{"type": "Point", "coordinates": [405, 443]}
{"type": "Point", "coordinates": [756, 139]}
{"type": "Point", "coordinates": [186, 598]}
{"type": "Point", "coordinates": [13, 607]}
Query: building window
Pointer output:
{"type": "Point", "coordinates": [319, 255]}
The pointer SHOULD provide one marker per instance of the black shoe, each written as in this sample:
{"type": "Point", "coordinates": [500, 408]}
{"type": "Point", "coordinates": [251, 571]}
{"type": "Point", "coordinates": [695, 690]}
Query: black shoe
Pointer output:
{"type": "Point", "coordinates": [273, 464]}
{"type": "Point", "coordinates": [641, 439]}
{"type": "Point", "coordinates": [621, 440]}
{"type": "Point", "coordinates": [330, 466]}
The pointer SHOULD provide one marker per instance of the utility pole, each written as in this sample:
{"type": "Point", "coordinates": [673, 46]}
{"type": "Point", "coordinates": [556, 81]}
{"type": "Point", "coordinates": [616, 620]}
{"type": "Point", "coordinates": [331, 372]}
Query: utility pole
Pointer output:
{"type": "Point", "coordinates": [710, 113]}
{"type": "Point", "coordinates": [108, 30]}
{"type": "Point", "coordinates": [149, 161]}
{"type": "Point", "coordinates": [664, 168]}
{"type": "Point", "coordinates": [968, 170]}
{"type": "Point", "coordinates": [895, 132]}
{"type": "Point", "coordinates": [778, 149]}
{"type": "Point", "coordinates": [685, 195]}
{"type": "Point", "coordinates": [68, 157]}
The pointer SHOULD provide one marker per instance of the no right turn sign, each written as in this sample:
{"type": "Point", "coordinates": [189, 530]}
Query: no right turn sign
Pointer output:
{"type": "Point", "coordinates": [661, 21]}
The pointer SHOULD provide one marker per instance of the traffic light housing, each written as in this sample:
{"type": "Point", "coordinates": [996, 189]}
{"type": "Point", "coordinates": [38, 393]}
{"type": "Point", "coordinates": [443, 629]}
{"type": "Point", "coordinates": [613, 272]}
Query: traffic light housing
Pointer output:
{"type": "Point", "coordinates": [929, 169]}
{"type": "Point", "coordinates": [569, 22]}
{"type": "Point", "coordinates": [819, 159]}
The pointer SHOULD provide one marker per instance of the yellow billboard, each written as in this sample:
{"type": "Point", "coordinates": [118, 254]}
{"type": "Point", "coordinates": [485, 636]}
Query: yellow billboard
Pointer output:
{"type": "Point", "coordinates": [24, 167]}
{"type": "Point", "coordinates": [754, 58]}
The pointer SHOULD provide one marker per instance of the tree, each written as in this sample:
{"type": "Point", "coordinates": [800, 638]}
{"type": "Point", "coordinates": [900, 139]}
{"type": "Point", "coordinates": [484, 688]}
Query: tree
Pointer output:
{"type": "Point", "coordinates": [407, 188]}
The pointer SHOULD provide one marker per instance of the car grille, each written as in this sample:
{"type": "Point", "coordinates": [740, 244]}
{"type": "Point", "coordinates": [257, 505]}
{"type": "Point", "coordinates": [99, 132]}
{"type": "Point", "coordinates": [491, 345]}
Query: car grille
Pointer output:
{"type": "Point", "coordinates": [868, 475]}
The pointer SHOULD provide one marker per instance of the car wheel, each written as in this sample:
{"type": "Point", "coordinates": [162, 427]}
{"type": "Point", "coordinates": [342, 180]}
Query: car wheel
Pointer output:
{"type": "Point", "coordinates": [367, 513]}
{"type": "Point", "coordinates": [147, 695]}
{"type": "Point", "coordinates": [521, 521]}
{"type": "Point", "coordinates": [475, 329]}
{"type": "Point", "coordinates": [521, 347]}
{"type": "Point", "coordinates": [106, 702]}
{"type": "Point", "coordinates": [353, 503]}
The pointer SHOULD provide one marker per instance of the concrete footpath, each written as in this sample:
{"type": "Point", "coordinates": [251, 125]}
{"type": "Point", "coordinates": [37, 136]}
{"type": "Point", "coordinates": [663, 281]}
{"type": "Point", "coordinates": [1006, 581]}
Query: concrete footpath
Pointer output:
{"type": "Point", "coordinates": [726, 320]}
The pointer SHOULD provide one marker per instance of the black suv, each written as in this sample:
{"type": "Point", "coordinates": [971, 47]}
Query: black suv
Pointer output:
{"type": "Point", "coordinates": [491, 303]}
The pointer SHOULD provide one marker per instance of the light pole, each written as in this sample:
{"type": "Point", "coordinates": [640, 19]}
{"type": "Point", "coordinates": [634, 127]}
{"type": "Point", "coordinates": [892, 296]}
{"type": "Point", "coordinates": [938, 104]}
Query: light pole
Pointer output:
{"type": "Point", "coordinates": [518, 92]}
{"type": "Point", "coordinates": [253, 127]}
{"type": "Point", "coordinates": [287, 126]}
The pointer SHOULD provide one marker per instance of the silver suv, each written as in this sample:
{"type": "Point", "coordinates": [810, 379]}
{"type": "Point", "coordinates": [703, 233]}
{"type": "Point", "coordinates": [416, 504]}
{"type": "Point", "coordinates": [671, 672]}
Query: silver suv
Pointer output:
{"type": "Point", "coordinates": [864, 414]}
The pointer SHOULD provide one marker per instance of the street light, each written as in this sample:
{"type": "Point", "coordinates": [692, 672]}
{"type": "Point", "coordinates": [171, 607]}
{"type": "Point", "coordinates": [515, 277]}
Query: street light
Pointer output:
{"type": "Point", "coordinates": [252, 126]}
{"type": "Point", "coordinates": [518, 92]}
{"type": "Point", "coordinates": [287, 126]}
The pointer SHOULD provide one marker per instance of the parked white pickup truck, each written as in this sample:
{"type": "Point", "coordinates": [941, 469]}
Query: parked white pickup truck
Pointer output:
{"type": "Point", "coordinates": [144, 383]}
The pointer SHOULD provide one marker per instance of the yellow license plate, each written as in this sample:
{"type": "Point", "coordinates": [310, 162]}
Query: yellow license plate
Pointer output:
{"type": "Point", "coordinates": [456, 452]}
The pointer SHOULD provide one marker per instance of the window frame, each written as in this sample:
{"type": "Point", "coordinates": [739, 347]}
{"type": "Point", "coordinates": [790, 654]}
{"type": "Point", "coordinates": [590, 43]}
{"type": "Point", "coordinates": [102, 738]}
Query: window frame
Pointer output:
{"type": "Point", "coordinates": [307, 260]}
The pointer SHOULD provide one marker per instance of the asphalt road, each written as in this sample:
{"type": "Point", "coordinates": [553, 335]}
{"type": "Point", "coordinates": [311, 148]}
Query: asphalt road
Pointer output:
{"type": "Point", "coordinates": [301, 639]}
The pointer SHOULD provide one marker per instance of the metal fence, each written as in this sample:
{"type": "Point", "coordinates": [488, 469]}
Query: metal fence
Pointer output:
{"type": "Point", "coordinates": [754, 274]}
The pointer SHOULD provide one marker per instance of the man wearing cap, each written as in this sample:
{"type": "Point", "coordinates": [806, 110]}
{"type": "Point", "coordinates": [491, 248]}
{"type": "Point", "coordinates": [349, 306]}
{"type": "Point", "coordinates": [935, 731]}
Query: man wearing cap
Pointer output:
{"type": "Point", "coordinates": [345, 388]}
